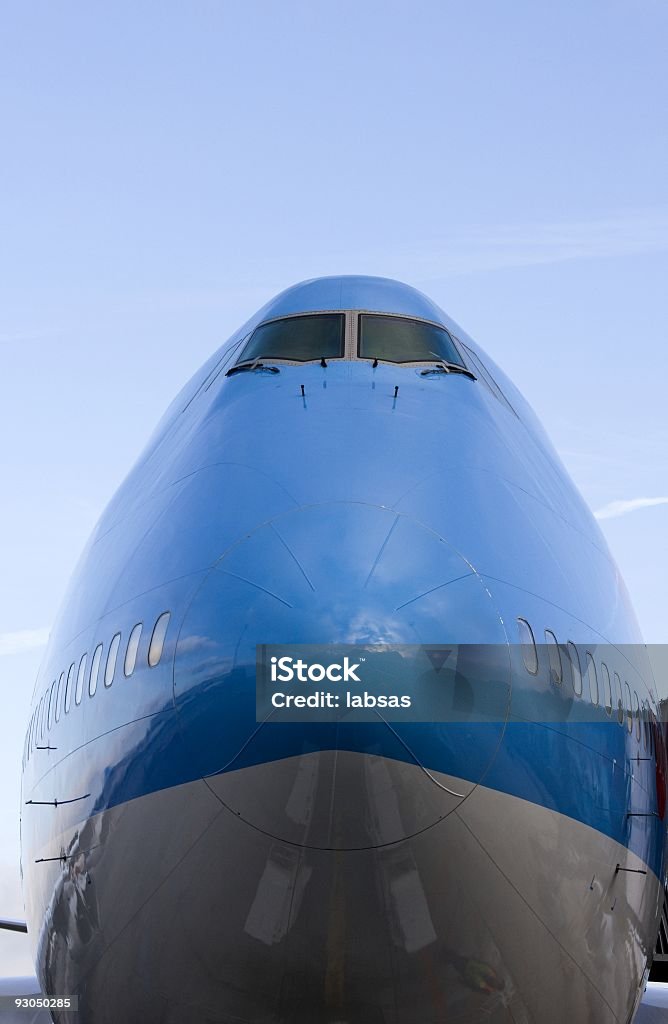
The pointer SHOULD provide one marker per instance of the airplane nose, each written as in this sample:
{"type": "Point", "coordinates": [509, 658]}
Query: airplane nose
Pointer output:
{"type": "Point", "coordinates": [337, 573]}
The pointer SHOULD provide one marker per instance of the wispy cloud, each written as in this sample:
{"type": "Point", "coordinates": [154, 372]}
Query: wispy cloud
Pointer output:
{"type": "Point", "coordinates": [620, 508]}
{"type": "Point", "coordinates": [21, 640]}
{"type": "Point", "coordinates": [23, 336]}
{"type": "Point", "coordinates": [474, 248]}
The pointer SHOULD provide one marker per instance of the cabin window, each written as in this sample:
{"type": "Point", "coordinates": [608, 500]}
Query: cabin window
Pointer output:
{"type": "Point", "coordinates": [629, 709]}
{"type": "Point", "coordinates": [607, 688]}
{"type": "Point", "coordinates": [47, 710]}
{"type": "Point", "coordinates": [298, 339]}
{"type": "Point", "coordinates": [576, 672]}
{"type": "Point", "coordinates": [69, 687]}
{"type": "Point", "coordinates": [39, 720]}
{"type": "Point", "coordinates": [59, 695]}
{"type": "Point", "coordinates": [619, 699]}
{"type": "Point", "coordinates": [554, 657]}
{"type": "Point", "coordinates": [636, 713]}
{"type": "Point", "coordinates": [80, 679]}
{"type": "Point", "coordinates": [111, 660]}
{"type": "Point", "coordinates": [396, 339]}
{"type": "Point", "coordinates": [131, 652]}
{"type": "Point", "coordinates": [593, 679]}
{"type": "Point", "coordinates": [158, 639]}
{"type": "Point", "coordinates": [645, 722]}
{"type": "Point", "coordinates": [528, 644]}
{"type": "Point", "coordinates": [94, 670]}
{"type": "Point", "coordinates": [52, 702]}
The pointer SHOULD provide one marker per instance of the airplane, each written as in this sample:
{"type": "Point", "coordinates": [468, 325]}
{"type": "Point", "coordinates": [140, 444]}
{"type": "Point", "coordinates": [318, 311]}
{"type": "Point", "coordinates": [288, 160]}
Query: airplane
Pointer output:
{"type": "Point", "coordinates": [350, 470]}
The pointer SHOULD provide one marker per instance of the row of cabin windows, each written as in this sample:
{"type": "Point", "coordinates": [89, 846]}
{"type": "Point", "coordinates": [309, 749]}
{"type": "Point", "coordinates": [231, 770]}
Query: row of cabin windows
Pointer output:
{"type": "Point", "coordinates": [58, 698]}
{"type": "Point", "coordinates": [564, 659]}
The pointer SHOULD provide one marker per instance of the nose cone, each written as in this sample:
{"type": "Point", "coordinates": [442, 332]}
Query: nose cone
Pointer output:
{"type": "Point", "coordinates": [338, 573]}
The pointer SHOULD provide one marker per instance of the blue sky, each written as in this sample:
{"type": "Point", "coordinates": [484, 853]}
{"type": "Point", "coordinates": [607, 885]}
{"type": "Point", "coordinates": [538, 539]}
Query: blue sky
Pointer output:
{"type": "Point", "coordinates": [167, 167]}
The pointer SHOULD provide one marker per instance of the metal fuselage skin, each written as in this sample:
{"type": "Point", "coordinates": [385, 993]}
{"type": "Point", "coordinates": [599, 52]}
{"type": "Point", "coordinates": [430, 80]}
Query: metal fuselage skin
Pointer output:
{"type": "Point", "coordinates": [182, 862]}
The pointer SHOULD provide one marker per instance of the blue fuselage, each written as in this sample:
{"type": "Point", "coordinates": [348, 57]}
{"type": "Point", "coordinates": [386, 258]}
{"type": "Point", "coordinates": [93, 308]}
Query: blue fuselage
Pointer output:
{"type": "Point", "coordinates": [339, 503]}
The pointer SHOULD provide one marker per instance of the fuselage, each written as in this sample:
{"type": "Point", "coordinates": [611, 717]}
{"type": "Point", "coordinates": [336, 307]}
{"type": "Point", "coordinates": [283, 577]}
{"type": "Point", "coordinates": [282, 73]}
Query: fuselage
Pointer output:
{"type": "Point", "coordinates": [183, 861]}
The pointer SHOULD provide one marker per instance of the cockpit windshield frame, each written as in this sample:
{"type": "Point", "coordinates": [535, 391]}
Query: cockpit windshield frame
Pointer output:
{"type": "Point", "coordinates": [351, 327]}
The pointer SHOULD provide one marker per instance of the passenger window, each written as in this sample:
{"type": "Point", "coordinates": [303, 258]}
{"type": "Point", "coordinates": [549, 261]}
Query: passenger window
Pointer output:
{"type": "Point", "coordinates": [397, 339]}
{"type": "Point", "coordinates": [39, 719]}
{"type": "Point", "coordinates": [131, 652]}
{"type": "Point", "coordinates": [529, 652]}
{"type": "Point", "coordinates": [645, 719]}
{"type": "Point", "coordinates": [297, 338]}
{"type": "Point", "coordinates": [59, 695]}
{"type": "Point", "coordinates": [111, 660]}
{"type": "Point", "coordinates": [554, 655]}
{"type": "Point", "coordinates": [94, 671]}
{"type": "Point", "coordinates": [575, 668]}
{"type": "Point", "coordinates": [52, 702]}
{"type": "Point", "coordinates": [593, 679]}
{"type": "Point", "coordinates": [629, 712]}
{"type": "Point", "coordinates": [158, 639]}
{"type": "Point", "coordinates": [80, 679]}
{"type": "Point", "coordinates": [607, 688]}
{"type": "Point", "coordinates": [619, 699]}
{"type": "Point", "coordinates": [636, 713]}
{"type": "Point", "coordinates": [69, 687]}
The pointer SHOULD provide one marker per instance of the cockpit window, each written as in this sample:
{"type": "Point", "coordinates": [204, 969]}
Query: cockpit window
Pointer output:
{"type": "Point", "coordinates": [396, 339]}
{"type": "Point", "coordinates": [298, 338]}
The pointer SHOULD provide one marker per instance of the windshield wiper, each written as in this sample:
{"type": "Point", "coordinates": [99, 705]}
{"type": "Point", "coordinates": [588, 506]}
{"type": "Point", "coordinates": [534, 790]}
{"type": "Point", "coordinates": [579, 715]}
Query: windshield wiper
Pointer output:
{"type": "Point", "coordinates": [252, 364]}
{"type": "Point", "coordinates": [444, 367]}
